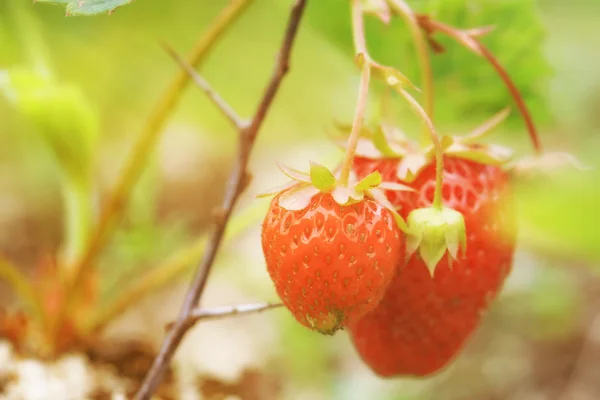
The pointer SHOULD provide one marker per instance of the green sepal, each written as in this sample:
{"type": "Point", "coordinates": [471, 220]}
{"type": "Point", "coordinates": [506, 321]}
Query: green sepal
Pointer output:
{"type": "Point", "coordinates": [321, 177]}
{"type": "Point", "coordinates": [434, 231]}
{"type": "Point", "coordinates": [294, 174]}
{"type": "Point", "coordinates": [380, 197]}
{"type": "Point", "coordinates": [392, 77]}
{"type": "Point", "coordinates": [370, 181]}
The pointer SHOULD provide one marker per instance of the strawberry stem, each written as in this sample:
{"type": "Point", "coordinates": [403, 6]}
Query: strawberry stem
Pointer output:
{"type": "Point", "coordinates": [516, 95]}
{"type": "Point", "coordinates": [437, 144]}
{"type": "Point", "coordinates": [358, 29]}
{"type": "Point", "coordinates": [404, 11]}
{"type": "Point", "coordinates": [363, 90]}
{"type": "Point", "coordinates": [469, 40]}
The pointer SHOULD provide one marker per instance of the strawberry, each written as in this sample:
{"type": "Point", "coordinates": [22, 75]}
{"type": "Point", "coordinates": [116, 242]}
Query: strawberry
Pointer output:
{"type": "Point", "coordinates": [425, 317]}
{"type": "Point", "coordinates": [330, 251]}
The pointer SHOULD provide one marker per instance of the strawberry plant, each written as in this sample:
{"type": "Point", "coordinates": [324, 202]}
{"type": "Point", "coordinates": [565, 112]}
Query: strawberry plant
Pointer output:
{"type": "Point", "coordinates": [405, 245]}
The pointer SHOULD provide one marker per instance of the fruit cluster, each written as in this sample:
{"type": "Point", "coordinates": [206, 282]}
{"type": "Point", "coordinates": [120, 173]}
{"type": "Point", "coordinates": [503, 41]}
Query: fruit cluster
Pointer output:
{"type": "Point", "coordinates": [407, 244]}
{"type": "Point", "coordinates": [349, 264]}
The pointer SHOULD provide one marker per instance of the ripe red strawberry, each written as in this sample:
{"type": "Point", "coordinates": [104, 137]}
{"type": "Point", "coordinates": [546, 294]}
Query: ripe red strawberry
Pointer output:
{"type": "Point", "coordinates": [423, 321]}
{"type": "Point", "coordinates": [331, 263]}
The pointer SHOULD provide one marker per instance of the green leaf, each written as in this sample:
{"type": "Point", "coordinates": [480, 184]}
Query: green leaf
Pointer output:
{"type": "Point", "coordinates": [370, 181]}
{"type": "Point", "coordinates": [88, 7]}
{"type": "Point", "coordinates": [321, 177]}
{"type": "Point", "coordinates": [466, 86]}
{"type": "Point", "coordinates": [61, 113]}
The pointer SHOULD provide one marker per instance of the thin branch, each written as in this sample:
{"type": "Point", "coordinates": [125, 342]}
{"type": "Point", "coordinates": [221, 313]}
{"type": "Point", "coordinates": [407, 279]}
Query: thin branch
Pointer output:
{"type": "Point", "coordinates": [439, 150]}
{"type": "Point", "coordinates": [358, 30]}
{"type": "Point", "coordinates": [235, 184]}
{"type": "Point", "coordinates": [404, 11]}
{"type": "Point", "coordinates": [116, 203]}
{"type": "Point", "coordinates": [515, 93]}
{"type": "Point", "coordinates": [204, 314]}
{"type": "Point", "coordinates": [471, 42]}
{"type": "Point", "coordinates": [361, 105]}
{"type": "Point", "coordinates": [217, 100]}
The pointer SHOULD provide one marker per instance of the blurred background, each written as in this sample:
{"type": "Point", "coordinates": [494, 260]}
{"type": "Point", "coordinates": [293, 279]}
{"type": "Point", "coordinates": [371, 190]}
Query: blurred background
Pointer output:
{"type": "Point", "coordinates": [541, 339]}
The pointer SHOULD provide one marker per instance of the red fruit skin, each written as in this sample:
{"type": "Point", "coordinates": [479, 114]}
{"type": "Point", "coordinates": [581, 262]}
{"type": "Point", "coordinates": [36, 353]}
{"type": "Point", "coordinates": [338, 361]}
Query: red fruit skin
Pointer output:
{"type": "Point", "coordinates": [423, 322]}
{"type": "Point", "coordinates": [330, 263]}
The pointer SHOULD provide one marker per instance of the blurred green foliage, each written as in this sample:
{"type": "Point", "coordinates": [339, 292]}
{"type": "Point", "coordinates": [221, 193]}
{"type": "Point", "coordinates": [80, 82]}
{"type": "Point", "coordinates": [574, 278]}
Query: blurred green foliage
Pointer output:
{"type": "Point", "coordinates": [466, 86]}
{"type": "Point", "coordinates": [116, 64]}
{"type": "Point", "coordinates": [560, 215]}
{"type": "Point", "coordinates": [88, 7]}
{"type": "Point", "coordinates": [61, 114]}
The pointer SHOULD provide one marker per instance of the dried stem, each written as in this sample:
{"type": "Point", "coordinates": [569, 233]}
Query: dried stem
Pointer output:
{"type": "Point", "coordinates": [204, 314]}
{"type": "Point", "coordinates": [115, 205]}
{"type": "Point", "coordinates": [470, 41]}
{"type": "Point", "coordinates": [236, 182]}
{"type": "Point", "coordinates": [200, 82]}
{"type": "Point", "coordinates": [403, 10]}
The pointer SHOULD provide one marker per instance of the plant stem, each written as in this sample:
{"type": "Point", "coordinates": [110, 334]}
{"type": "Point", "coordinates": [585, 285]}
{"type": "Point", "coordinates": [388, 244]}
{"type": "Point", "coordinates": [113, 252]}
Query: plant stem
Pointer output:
{"type": "Point", "coordinates": [204, 314]}
{"type": "Point", "coordinates": [363, 91]}
{"type": "Point", "coordinates": [404, 11]}
{"type": "Point", "coordinates": [437, 145]}
{"type": "Point", "coordinates": [21, 285]}
{"type": "Point", "coordinates": [361, 103]}
{"type": "Point", "coordinates": [358, 29]}
{"type": "Point", "coordinates": [470, 41]}
{"type": "Point", "coordinates": [116, 203]}
{"type": "Point", "coordinates": [77, 220]}
{"type": "Point", "coordinates": [201, 83]}
{"type": "Point", "coordinates": [236, 183]}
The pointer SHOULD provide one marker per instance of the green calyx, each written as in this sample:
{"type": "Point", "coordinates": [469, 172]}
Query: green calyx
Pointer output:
{"type": "Point", "coordinates": [386, 141]}
{"type": "Point", "coordinates": [297, 194]}
{"type": "Point", "coordinates": [434, 231]}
